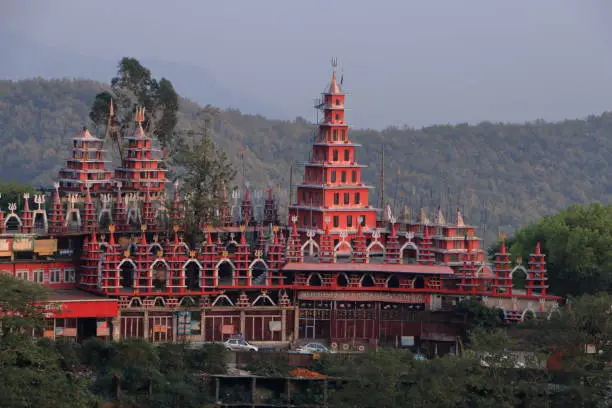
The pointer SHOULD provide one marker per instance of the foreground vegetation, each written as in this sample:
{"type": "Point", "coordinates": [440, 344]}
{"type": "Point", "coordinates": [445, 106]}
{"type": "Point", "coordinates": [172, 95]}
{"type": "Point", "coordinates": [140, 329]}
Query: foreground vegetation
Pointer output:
{"type": "Point", "coordinates": [42, 373]}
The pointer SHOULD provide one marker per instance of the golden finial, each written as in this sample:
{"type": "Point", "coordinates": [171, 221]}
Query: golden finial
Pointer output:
{"type": "Point", "coordinates": [126, 254]}
{"type": "Point", "coordinates": [264, 292]}
{"type": "Point", "coordinates": [192, 254]}
{"type": "Point", "coordinates": [176, 228]}
{"type": "Point", "coordinates": [224, 254]}
{"type": "Point", "coordinates": [159, 254]}
{"type": "Point", "coordinates": [143, 227]}
{"type": "Point", "coordinates": [242, 228]}
{"type": "Point", "coordinates": [207, 228]}
{"type": "Point", "coordinates": [112, 228]}
{"type": "Point", "coordinates": [140, 115]}
{"type": "Point", "coordinates": [502, 236]}
{"type": "Point", "coordinates": [275, 228]}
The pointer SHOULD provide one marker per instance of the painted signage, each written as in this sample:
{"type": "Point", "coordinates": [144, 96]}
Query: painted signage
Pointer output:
{"type": "Point", "coordinates": [23, 243]}
{"type": "Point", "coordinates": [45, 246]}
{"type": "Point", "coordinates": [5, 247]}
{"type": "Point", "coordinates": [275, 326]}
{"type": "Point", "coordinates": [365, 296]}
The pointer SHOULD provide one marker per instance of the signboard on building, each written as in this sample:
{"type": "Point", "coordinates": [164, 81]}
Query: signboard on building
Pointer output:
{"type": "Point", "coordinates": [275, 326]}
{"type": "Point", "coordinates": [22, 244]}
{"type": "Point", "coordinates": [227, 329]}
{"type": "Point", "coordinates": [354, 296]}
{"type": "Point", "coordinates": [407, 341]}
{"type": "Point", "coordinates": [5, 247]}
{"type": "Point", "coordinates": [45, 246]}
{"type": "Point", "coordinates": [102, 329]}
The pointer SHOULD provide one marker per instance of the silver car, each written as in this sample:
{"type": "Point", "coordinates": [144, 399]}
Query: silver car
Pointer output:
{"type": "Point", "coordinates": [239, 345]}
{"type": "Point", "coordinates": [311, 348]}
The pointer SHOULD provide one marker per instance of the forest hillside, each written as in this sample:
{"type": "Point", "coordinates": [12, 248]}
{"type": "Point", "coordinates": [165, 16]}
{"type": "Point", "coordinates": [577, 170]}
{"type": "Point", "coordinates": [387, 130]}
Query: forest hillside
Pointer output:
{"type": "Point", "coordinates": [504, 175]}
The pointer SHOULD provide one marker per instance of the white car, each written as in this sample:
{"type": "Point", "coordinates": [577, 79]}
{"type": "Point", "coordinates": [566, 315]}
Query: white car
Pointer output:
{"type": "Point", "coordinates": [312, 348]}
{"type": "Point", "coordinates": [239, 345]}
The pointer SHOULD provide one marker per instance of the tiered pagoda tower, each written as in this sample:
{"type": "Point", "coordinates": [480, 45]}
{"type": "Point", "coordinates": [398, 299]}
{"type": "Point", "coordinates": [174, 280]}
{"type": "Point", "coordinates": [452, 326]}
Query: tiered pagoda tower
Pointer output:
{"type": "Point", "coordinates": [140, 169]}
{"type": "Point", "coordinates": [332, 187]}
{"type": "Point", "coordinates": [86, 165]}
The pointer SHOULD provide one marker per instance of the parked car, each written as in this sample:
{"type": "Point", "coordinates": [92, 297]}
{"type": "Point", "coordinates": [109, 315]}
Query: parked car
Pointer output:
{"type": "Point", "coordinates": [311, 348]}
{"type": "Point", "coordinates": [239, 345]}
{"type": "Point", "coordinates": [420, 357]}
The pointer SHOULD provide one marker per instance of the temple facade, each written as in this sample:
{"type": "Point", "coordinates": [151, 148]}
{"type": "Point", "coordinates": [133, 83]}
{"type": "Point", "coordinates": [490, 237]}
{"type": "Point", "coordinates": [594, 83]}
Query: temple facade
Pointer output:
{"type": "Point", "coordinates": [112, 250]}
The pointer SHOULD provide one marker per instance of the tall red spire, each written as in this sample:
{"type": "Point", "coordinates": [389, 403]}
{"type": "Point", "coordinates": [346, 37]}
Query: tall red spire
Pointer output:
{"type": "Point", "coordinates": [332, 185]}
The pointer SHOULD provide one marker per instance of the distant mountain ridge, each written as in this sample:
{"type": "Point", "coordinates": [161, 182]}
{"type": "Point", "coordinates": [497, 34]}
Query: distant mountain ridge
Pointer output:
{"type": "Point", "coordinates": [502, 175]}
{"type": "Point", "coordinates": [23, 58]}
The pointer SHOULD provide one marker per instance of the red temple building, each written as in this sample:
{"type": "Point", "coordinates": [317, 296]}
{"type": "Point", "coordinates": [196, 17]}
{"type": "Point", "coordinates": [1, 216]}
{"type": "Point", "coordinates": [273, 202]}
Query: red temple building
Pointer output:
{"type": "Point", "coordinates": [112, 251]}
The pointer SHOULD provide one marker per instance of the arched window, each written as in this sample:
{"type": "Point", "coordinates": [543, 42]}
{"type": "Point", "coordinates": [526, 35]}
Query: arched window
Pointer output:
{"type": "Point", "coordinates": [393, 282]}
{"type": "Point", "coordinates": [315, 280]}
{"type": "Point", "coordinates": [225, 272]}
{"type": "Point", "coordinates": [342, 280]}
{"type": "Point", "coordinates": [335, 155]}
{"type": "Point", "coordinates": [347, 155]}
{"type": "Point", "coordinates": [367, 281]}
{"type": "Point", "coordinates": [192, 275]}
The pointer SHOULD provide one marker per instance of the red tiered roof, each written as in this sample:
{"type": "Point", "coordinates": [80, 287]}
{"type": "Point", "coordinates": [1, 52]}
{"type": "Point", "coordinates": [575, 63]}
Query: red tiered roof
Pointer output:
{"type": "Point", "coordinates": [86, 165]}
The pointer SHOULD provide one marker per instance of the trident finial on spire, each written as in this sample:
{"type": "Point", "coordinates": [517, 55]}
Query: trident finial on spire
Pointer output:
{"type": "Point", "coordinates": [334, 62]}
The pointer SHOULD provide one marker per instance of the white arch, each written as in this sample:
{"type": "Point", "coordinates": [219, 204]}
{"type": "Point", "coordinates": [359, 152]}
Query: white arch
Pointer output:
{"type": "Point", "coordinates": [525, 312]}
{"type": "Point", "coordinates": [13, 215]}
{"type": "Point", "coordinates": [408, 244]}
{"type": "Point", "coordinates": [128, 260]}
{"type": "Point", "coordinates": [223, 260]}
{"type": "Point", "coordinates": [106, 211]}
{"type": "Point", "coordinates": [163, 301]}
{"type": "Point", "coordinates": [192, 260]}
{"type": "Point", "coordinates": [519, 268]}
{"type": "Point", "coordinates": [265, 297]}
{"type": "Point", "coordinates": [187, 297]}
{"type": "Point", "coordinates": [556, 311]}
{"type": "Point", "coordinates": [310, 277]}
{"type": "Point", "coordinates": [341, 243]}
{"type": "Point", "coordinates": [256, 261]}
{"type": "Point", "coordinates": [363, 276]}
{"type": "Point", "coordinates": [312, 244]}
{"type": "Point", "coordinates": [348, 281]}
{"type": "Point", "coordinates": [135, 299]}
{"type": "Point", "coordinates": [155, 244]}
{"type": "Point", "coordinates": [482, 268]}
{"type": "Point", "coordinates": [374, 244]}
{"type": "Point", "coordinates": [158, 260]}
{"type": "Point", "coordinates": [214, 303]}
{"type": "Point", "coordinates": [389, 278]}
{"type": "Point", "coordinates": [181, 245]}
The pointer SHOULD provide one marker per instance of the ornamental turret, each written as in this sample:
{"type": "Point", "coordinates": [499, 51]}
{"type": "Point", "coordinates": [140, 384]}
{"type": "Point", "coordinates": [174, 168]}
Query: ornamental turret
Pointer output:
{"type": "Point", "coordinates": [86, 165]}
{"type": "Point", "coordinates": [141, 165]}
{"type": "Point", "coordinates": [332, 185]}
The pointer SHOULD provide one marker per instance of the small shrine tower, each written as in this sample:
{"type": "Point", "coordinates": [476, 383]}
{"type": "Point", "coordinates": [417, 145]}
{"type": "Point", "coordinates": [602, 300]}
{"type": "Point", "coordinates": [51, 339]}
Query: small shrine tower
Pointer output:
{"type": "Point", "coordinates": [86, 165]}
{"type": "Point", "coordinates": [332, 185]}
{"type": "Point", "coordinates": [140, 168]}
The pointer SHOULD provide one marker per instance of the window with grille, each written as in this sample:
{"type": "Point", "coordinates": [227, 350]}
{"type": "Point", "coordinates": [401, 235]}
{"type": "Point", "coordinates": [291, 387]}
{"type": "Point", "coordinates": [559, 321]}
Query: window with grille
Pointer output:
{"type": "Point", "coordinates": [349, 220]}
{"type": "Point", "coordinates": [54, 276]}
{"type": "Point", "coordinates": [336, 221]}
{"type": "Point", "coordinates": [22, 274]}
{"type": "Point", "coordinates": [347, 198]}
{"type": "Point", "coordinates": [39, 275]}
{"type": "Point", "coordinates": [69, 275]}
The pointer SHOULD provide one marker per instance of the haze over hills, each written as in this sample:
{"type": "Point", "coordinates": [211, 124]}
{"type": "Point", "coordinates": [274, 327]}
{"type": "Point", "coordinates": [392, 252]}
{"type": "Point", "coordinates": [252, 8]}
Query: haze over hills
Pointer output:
{"type": "Point", "coordinates": [31, 59]}
{"type": "Point", "coordinates": [502, 175]}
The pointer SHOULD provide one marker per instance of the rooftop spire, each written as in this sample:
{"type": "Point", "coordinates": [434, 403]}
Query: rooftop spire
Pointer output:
{"type": "Point", "coordinates": [333, 86]}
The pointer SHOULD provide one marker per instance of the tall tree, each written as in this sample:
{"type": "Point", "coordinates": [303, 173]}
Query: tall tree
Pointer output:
{"type": "Point", "coordinates": [134, 86]}
{"type": "Point", "coordinates": [578, 247]}
{"type": "Point", "coordinates": [205, 171]}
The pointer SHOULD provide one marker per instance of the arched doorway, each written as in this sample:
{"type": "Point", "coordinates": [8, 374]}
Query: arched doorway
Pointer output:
{"type": "Point", "coordinates": [40, 222]}
{"type": "Point", "coordinates": [192, 275]}
{"type": "Point", "coordinates": [409, 253]}
{"type": "Point", "coordinates": [258, 273]}
{"type": "Point", "coordinates": [127, 271]}
{"type": "Point", "coordinates": [519, 277]}
{"type": "Point", "coordinates": [367, 281]}
{"type": "Point", "coordinates": [225, 272]}
{"type": "Point", "coordinates": [342, 280]}
{"type": "Point", "coordinates": [393, 282]}
{"type": "Point", "coordinates": [160, 274]}
{"type": "Point", "coordinates": [12, 223]}
{"type": "Point", "coordinates": [315, 280]}
{"type": "Point", "coordinates": [419, 282]}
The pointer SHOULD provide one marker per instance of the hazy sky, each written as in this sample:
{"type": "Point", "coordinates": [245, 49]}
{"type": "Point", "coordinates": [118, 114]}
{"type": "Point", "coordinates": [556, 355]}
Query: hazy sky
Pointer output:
{"type": "Point", "coordinates": [414, 62]}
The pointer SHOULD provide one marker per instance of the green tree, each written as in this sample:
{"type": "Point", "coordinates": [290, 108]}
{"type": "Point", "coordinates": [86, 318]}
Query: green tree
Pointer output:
{"type": "Point", "coordinates": [33, 373]}
{"type": "Point", "coordinates": [206, 173]}
{"type": "Point", "coordinates": [13, 193]}
{"type": "Point", "coordinates": [132, 87]}
{"type": "Point", "coordinates": [578, 247]}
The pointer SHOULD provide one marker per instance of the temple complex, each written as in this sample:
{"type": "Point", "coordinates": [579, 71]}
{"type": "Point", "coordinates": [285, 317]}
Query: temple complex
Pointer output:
{"type": "Point", "coordinates": [113, 252]}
